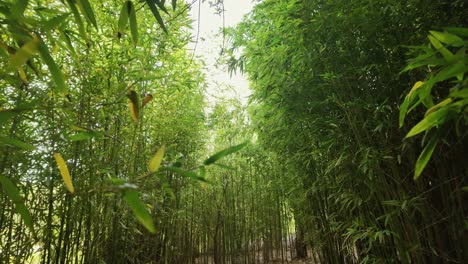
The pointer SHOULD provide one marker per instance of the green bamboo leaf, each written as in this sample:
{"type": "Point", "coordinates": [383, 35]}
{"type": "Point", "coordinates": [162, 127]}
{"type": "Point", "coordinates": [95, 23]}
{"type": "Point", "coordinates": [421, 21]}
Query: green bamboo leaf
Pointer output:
{"type": "Point", "coordinates": [430, 121]}
{"type": "Point", "coordinates": [403, 111]}
{"type": "Point", "coordinates": [133, 23]}
{"type": "Point", "coordinates": [64, 37]}
{"type": "Point", "coordinates": [13, 194]}
{"type": "Point", "coordinates": [439, 47]}
{"type": "Point", "coordinates": [87, 11]}
{"type": "Point", "coordinates": [451, 71]}
{"type": "Point", "coordinates": [447, 38]}
{"type": "Point", "coordinates": [458, 30]}
{"type": "Point", "coordinates": [5, 115]}
{"type": "Point", "coordinates": [16, 143]}
{"type": "Point", "coordinates": [224, 152]}
{"type": "Point", "coordinates": [425, 156]}
{"type": "Point", "coordinates": [154, 10]}
{"type": "Point", "coordinates": [161, 6]}
{"type": "Point", "coordinates": [123, 19]}
{"type": "Point", "coordinates": [174, 4]}
{"type": "Point", "coordinates": [54, 69]}
{"type": "Point", "coordinates": [18, 8]}
{"type": "Point", "coordinates": [188, 174]}
{"type": "Point", "coordinates": [139, 210]}
{"type": "Point", "coordinates": [56, 21]}
{"type": "Point", "coordinates": [78, 20]}
{"type": "Point", "coordinates": [24, 53]}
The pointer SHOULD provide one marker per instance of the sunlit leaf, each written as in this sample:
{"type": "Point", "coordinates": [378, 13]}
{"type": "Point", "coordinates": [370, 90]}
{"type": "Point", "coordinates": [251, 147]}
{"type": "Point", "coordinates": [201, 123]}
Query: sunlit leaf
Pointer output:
{"type": "Point", "coordinates": [24, 53]}
{"type": "Point", "coordinates": [139, 210]}
{"type": "Point", "coordinates": [16, 143]}
{"type": "Point", "coordinates": [64, 172]}
{"type": "Point", "coordinates": [224, 153]}
{"type": "Point", "coordinates": [13, 194]}
{"type": "Point", "coordinates": [133, 104]}
{"type": "Point", "coordinates": [425, 156]}
{"type": "Point", "coordinates": [155, 161]}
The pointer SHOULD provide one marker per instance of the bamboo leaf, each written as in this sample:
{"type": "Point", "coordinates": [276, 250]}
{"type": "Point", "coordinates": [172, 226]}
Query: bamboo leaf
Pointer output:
{"type": "Point", "coordinates": [16, 143]}
{"type": "Point", "coordinates": [425, 156]}
{"type": "Point", "coordinates": [56, 21]}
{"type": "Point", "coordinates": [447, 38]}
{"type": "Point", "coordinates": [64, 172]}
{"type": "Point", "coordinates": [87, 11]}
{"type": "Point", "coordinates": [133, 22]}
{"type": "Point", "coordinates": [78, 20]}
{"type": "Point", "coordinates": [188, 174]}
{"type": "Point", "coordinates": [161, 6]}
{"type": "Point", "coordinates": [24, 53]}
{"type": "Point", "coordinates": [123, 19]}
{"type": "Point", "coordinates": [13, 194]}
{"type": "Point", "coordinates": [133, 104]}
{"type": "Point", "coordinates": [139, 210]}
{"type": "Point", "coordinates": [174, 4]}
{"type": "Point", "coordinates": [432, 120]}
{"type": "Point", "coordinates": [224, 152]}
{"type": "Point", "coordinates": [54, 69]}
{"type": "Point", "coordinates": [403, 111]}
{"type": "Point", "coordinates": [439, 47]}
{"type": "Point", "coordinates": [155, 162]}
{"type": "Point", "coordinates": [5, 115]}
{"type": "Point", "coordinates": [18, 8]}
{"type": "Point", "coordinates": [154, 10]}
{"type": "Point", "coordinates": [438, 106]}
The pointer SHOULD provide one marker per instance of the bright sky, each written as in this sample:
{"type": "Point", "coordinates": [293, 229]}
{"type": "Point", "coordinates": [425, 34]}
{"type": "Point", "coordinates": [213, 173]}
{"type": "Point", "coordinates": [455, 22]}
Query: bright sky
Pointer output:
{"type": "Point", "coordinates": [209, 47]}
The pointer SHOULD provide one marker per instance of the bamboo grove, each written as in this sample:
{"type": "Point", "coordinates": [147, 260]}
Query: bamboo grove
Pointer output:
{"type": "Point", "coordinates": [352, 148]}
{"type": "Point", "coordinates": [361, 101]}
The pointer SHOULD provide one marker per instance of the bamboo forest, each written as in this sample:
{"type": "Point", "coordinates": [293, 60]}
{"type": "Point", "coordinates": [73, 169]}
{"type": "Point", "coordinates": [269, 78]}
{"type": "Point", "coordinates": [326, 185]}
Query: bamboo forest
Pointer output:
{"type": "Point", "coordinates": [299, 131]}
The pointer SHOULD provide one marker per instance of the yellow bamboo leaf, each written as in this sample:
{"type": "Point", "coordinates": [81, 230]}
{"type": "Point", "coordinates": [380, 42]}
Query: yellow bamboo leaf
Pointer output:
{"type": "Point", "coordinates": [64, 172]}
{"type": "Point", "coordinates": [22, 75]}
{"type": "Point", "coordinates": [155, 162]}
{"type": "Point", "coordinates": [416, 86]}
{"type": "Point", "coordinates": [133, 104]}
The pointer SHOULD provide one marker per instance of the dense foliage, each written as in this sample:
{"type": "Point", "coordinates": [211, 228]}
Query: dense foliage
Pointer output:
{"type": "Point", "coordinates": [352, 148]}
{"type": "Point", "coordinates": [329, 78]}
